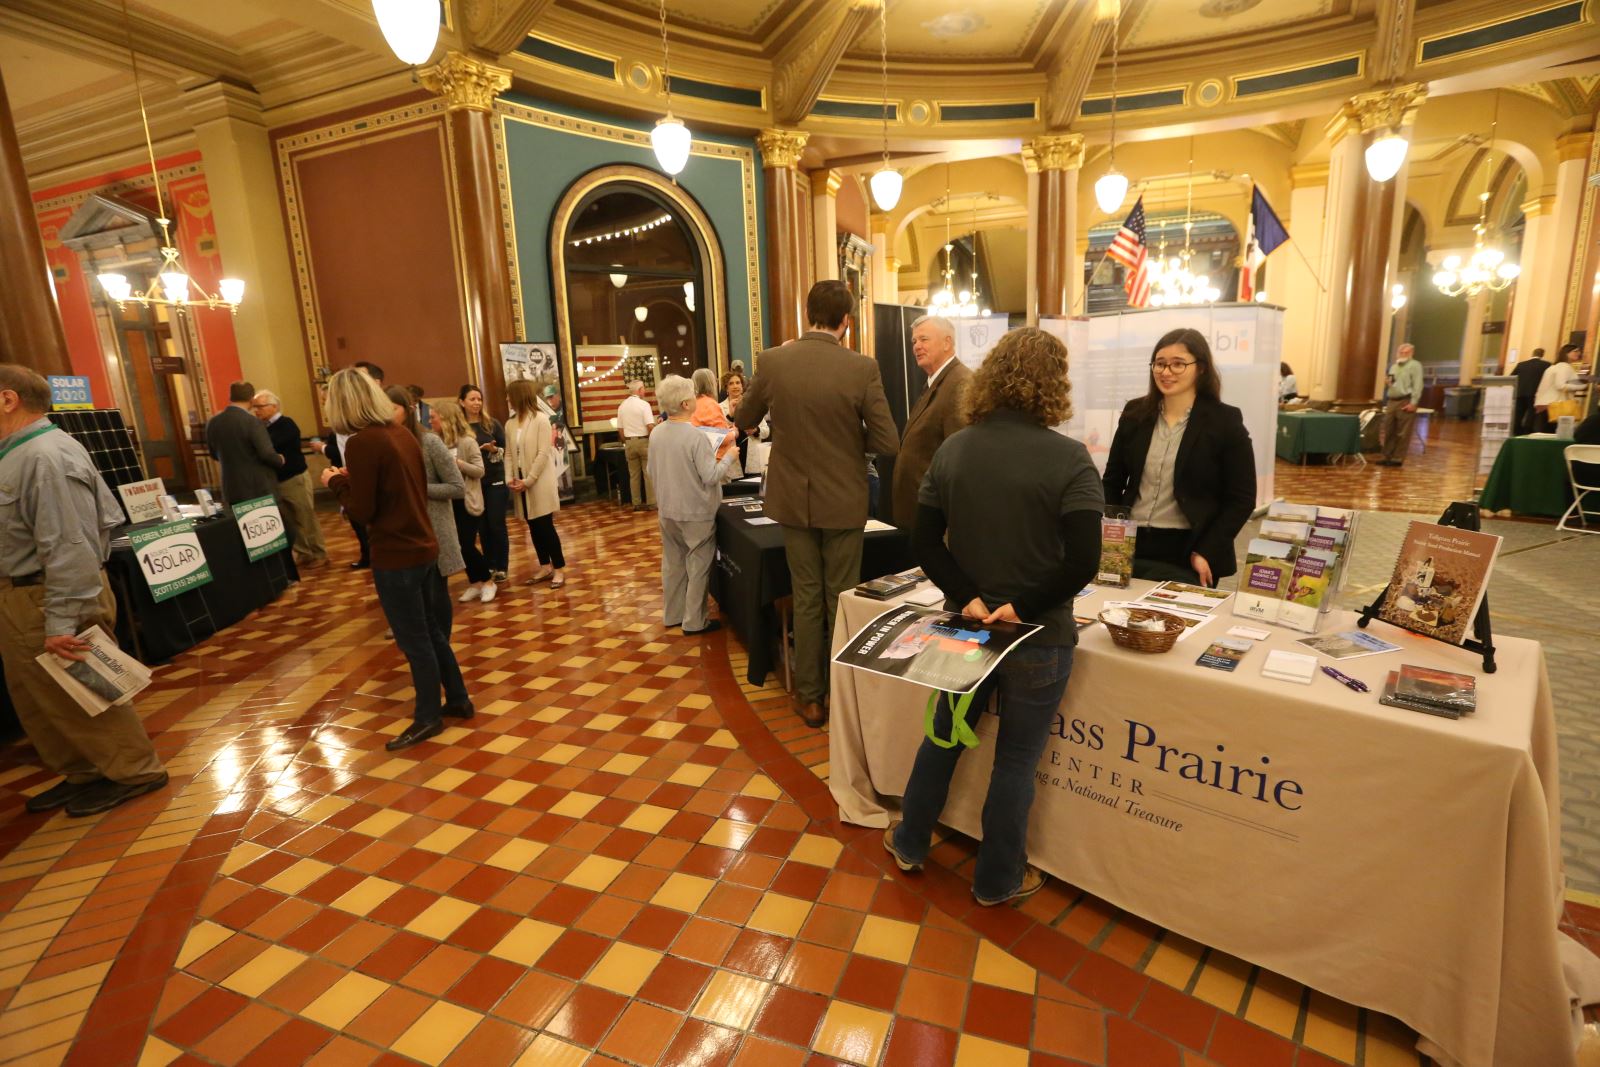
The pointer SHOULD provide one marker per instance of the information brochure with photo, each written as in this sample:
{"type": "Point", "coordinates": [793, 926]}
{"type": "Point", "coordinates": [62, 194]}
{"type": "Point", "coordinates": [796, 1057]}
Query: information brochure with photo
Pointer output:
{"type": "Point", "coordinates": [170, 558]}
{"type": "Point", "coordinates": [105, 676]}
{"type": "Point", "coordinates": [1224, 653]}
{"type": "Point", "coordinates": [1117, 535]}
{"type": "Point", "coordinates": [1295, 564]}
{"type": "Point", "coordinates": [1347, 645]}
{"type": "Point", "coordinates": [1439, 581]}
{"type": "Point", "coordinates": [261, 526]}
{"type": "Point", "coordinates": [1191, 598]}
{"type": "Point", "coordinates": [939, 649]}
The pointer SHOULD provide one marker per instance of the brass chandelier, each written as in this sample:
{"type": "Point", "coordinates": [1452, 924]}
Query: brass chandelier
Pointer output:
{"type": "Point", "coordinates": [1486, 270]}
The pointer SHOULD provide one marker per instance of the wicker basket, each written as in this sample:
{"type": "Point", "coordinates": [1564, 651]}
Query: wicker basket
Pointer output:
{"type": "Point", "coordinates": [1145, 640]}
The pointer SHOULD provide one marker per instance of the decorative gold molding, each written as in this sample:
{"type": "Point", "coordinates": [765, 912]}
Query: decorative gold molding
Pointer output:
{"type": "Point", "coordinates": [466, 83]}
{"type": "Point", "coordinates": [781, 148]}
{"type": "Point", "coordinates": [1499, 17]}
{"type": "Point", "coordinates": [1053, 151]}
{"type": "Point", "coordinates": [826, 182]}
{"type": "Point", "coordinates": [1390, 109]}
{"type": "Point", "coordinates": [1308, 174]}
{"type": "Point", "coordinates": [1576, 273]}
{"type": "Point", "coordinates": [802, 68]}
{"type": "Point", "coordinates": [1537, 206]}
{"type": "Point", "coordinates": [1570, 146]}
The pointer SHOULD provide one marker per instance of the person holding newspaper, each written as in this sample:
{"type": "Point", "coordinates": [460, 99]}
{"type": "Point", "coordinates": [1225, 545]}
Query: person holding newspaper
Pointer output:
{"type": "Point", "coordinates": [56, 518]}
{"type": "Point", "coordinates": [1012, 542]}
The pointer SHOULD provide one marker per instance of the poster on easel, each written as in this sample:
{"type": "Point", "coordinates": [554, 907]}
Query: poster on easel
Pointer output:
{"type": "Point", "coordinates": [170, 558]}
{"type": "Point", "coordinates": [1440, 578]}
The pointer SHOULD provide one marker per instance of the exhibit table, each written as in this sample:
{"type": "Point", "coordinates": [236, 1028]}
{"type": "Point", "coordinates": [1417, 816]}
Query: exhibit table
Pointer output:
{"type": "Point", "coordinates": [1529, 477]}
{"type": "Point", "coordinates": [1395, 860]}
{"type": "Point", "coordinates": [751, 575]}
{"type": "Point", "coordinates": [157, 632]}
{"type": "Point", "coordinates": [1303, 433]}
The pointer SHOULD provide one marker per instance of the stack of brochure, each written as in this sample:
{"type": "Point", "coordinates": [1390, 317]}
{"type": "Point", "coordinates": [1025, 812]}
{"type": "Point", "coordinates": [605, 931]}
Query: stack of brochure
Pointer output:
{"type": "Point", "coordinates": [1295, 564]}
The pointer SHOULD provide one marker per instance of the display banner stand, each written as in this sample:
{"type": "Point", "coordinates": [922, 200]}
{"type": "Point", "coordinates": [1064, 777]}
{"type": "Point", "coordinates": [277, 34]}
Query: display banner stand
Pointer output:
{"type": "Point", "coordinates": [1463, 516]}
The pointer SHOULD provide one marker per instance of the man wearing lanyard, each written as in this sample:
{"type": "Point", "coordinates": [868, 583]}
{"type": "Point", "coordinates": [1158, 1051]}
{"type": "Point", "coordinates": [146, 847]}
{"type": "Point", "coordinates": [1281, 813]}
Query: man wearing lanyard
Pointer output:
{"type": "Point", "coordinates": [1400, 406]}
{"type": "Point", "coordinates": [56, 518]}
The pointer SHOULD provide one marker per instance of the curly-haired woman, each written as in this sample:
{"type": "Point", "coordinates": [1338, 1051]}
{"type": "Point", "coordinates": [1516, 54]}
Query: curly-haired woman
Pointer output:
{"type": "Point", "coordinates": [1006, 541]}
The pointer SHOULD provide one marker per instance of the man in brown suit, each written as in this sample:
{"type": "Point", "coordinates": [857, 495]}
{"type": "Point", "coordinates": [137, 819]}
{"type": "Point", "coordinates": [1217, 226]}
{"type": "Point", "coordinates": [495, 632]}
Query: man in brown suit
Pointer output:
{"type": "Point", "coordinates": [828, 411]}
{"type": "Point", "coordinates": [936, 414]}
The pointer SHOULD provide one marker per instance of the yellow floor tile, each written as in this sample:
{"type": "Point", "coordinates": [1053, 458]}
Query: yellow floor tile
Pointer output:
{"type": "Point", "coordinates": [781, 915]}
{"type": "Point", "coordinates": [381, 823]}
{"type": "Point", "coordinates": [816, 850]}
{"type": "Point", "coordinates": [887, 939]}
{"type": "Point", "coordinates": [690, 774]}
{"type": "Point", "coordinates": [440, 919]}
{"type": "Point", "coordinates": [546, 1051]}
{"type": "Point", "coordinates": [75, 1003]}
{"type": "Point", "coordinates": [58, 984]}
{"type": "Point", "coordinates": [852, 1033]}
{"type": "Point", "coordinates": [157, 1053]}
{"type": "Point", "coordinates": [648, 818]}
{"type": "Point", "coordinates": [999, 968]}
{"type": "Point", "coordinates": [508, 792]}
{"type": "Point", "coordinates": [291, 880]}
{"type": "Point", "coordinates": [436, 1035]}
{"type": "Point", "coordinates": [725, 833]}
{"type": "Point", "coordinates": [561, 753]}
{"type": "Point", "coordinates": [447, 780]}
{"type": "Point", "coordinates": [322, 809]}
{"type": "Point", "coordinates": [683, 892]}
{"type": "Point", "coordinates": [622, 763]}
{"type": "Point", "coordinates": [446, 838]}
{"type": "Point", "coordinates": [575, 805]}
{"type": "Point", "coordinates": [664, 730]}
{"type": "Point", "coordinates": [624, 968]}
{"type": "Point", "coordinates": [367, 894]}
{"type": "Point", "coordinates": [1175, 961]}
{"type": "Point", "coordinates": [527, 941]}
{"type": "Point", "coordinates": [505, 743]}
{"type": "Point", "coordinates": [396, 767]}
{"type": "Point", "coordinates": [1331, 1028]}
{"type": "Point", "coordinates": [731, 999]}
{"type": "Point", "coordinates": [263, 972]}
{"type": "Point", "coordinates": [344, 1000]}
{"type": "Point", "coordinates": [1274, 1003]}
{"type": "Point", "coordinates": [761, 786]}
{"type": "Point", "coordinates": [1222, 981]}
{"type": "Point", "coordinates": [515, 855]}
{"type": "Point", "coordinates": [1387, 1043]}
{"type": "Point", "coordinates": [551, 714]}
{"type": "Point", "coordinates": [595, 873]}
{"type": "Point", "coordinates": [203, 937]}
{"type": "Point", "coordinates": [976, 1051]}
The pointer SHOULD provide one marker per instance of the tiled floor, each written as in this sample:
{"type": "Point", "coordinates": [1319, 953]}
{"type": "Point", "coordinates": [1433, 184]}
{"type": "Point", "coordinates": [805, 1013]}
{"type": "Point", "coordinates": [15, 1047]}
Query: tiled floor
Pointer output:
{"type": "Point", "coordinates": [618, 861]}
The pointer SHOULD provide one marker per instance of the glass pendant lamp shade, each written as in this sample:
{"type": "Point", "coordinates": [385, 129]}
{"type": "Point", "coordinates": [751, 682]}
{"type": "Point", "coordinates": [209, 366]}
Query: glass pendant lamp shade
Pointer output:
{"type": "Point", "coordinates": [1110, 190]}
{"type": "Point", "coordinates": [886, 185]}
{"type": "Point", "coordinates": [1385, 155]}
{"type": "Point", "coordinates": [670, 139]}
{"type": "Point", "coordinates": [641, 312]}
{"type": "Point", "coordinates": [232, 290]}
{"type": "Point", "coordinates": [410, 26]}
{"type": "Point", "coordinates": [116, 286]}
{"type": "Point", "coordinates": [176, 286]}
{"type": "Point", "coordinates": [619, 279]}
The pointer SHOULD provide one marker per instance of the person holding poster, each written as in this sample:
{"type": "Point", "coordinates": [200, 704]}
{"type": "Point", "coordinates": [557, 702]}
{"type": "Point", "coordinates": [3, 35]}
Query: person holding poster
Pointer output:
{"type": "Point", "coordinates": [1023, 538]}
{"type": "Point", "coordinates": [1181, 460]}
{"type": "Point", "coordinates": [56, 518]}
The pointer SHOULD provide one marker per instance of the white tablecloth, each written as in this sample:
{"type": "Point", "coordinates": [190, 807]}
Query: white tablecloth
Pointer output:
{"type": "Point", "coordinates": [1394, 860]}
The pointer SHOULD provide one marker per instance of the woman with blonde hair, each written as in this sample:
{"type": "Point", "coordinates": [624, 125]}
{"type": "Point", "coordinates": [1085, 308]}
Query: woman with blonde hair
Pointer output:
{"type": "Point", "coordinates": [532, 479]}
{"type": "Point", "coordinates": [450, 423]}
{"type": "Point", "coordinates": [385, 488]}
{"type": "Point", "coordinates": [1022, 539]}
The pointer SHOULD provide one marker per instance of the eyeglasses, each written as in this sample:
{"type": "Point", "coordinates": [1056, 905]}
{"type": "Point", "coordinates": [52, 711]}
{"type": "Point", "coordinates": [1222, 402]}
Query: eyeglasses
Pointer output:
{"type": "Point", "coordinates": [1176, 366]}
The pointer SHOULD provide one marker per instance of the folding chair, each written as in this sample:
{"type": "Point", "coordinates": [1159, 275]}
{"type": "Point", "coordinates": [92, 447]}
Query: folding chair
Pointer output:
{"type": "Point", "coordinates": [1420, 428]}
{"type": "Point", "coordinates": [1576, 454]}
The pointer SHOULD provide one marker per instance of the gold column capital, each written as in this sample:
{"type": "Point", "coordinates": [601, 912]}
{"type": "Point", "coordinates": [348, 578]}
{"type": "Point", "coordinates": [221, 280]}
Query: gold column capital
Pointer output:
{"type": "Point", "coordinates": [892, 264]}
{"type": "Point", "coordinates": [781, 148]}
{"type": "Point", "coordinates": [1308, 174]}
{"type": "Point", "coordinates": [1380, 109]}
{"type": "Point", "coordinates": [826, 182]}
{"type": "Point", "coordinates": [1053, 151]}
{"type": "Point", "coordinates": [467, 84]}
{"type": "Point", "coordinates": [1539, 205]}
{"type": "Point", "coordinates": [1570, 146]}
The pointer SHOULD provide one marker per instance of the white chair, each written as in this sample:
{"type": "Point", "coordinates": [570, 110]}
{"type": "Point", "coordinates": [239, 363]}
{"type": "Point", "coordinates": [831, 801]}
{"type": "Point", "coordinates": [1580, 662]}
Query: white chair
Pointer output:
{"type": "Point", "coordinates": [1420, 428]}
{"type": "Point", "coordinates": [1580, 454]}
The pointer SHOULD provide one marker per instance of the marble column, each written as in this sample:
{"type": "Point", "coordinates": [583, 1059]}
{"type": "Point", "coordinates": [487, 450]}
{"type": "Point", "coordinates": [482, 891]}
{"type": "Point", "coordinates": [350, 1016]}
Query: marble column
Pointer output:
{"type": "Point", "coordinates": [825, 221]}
{"type": "Point", "coordinates": [30, 325]}
{"type": "Point", "coordinates": [1057, 158]}
{"type": "Point", "coordinates": [1472, 339]}
{"type": "Point", "coordinates": [780, 155]}
{"type": "Point", "coordinates": [469, 87]}
{"type": "Point", "coordinates": [242, 176]}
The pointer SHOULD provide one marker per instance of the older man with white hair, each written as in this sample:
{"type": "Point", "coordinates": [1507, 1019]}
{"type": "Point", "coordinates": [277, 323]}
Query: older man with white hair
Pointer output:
{"type": "Point", "coordinates": [294, 483]}
{"type": "Point", "coordinates": [936, 414]}
{"type": "Point", "coordinates": [635, 420]}
{"type": "Point", "coordinates": [687, 474]}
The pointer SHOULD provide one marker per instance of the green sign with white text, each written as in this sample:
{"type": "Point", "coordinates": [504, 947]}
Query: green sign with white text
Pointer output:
{"type": "Point", "coordinates": [170, 558]}
{"type": "Point", "coordinates": [261, 526]}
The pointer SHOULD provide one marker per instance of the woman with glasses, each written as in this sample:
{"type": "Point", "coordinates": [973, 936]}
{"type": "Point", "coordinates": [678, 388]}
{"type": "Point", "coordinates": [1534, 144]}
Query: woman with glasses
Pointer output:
{"type": "Point", "coordinates": [1182, 463]}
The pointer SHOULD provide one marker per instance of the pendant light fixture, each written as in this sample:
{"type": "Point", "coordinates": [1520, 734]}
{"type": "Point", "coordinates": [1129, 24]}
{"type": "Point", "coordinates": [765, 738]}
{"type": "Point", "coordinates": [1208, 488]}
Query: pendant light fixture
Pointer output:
{"type": "Point", "coordinates": [411, 27]}
{"type": "Point", "coordinates": [886, 182]}
{"type": "Point", "coordinates": [1387, 153]}
{"type": "Point", "coordinates": [1487, 269]}
{"type": "Point", "coordinates": [1112, 187]}
{"type": "Point", "coordinates": [670, 138]}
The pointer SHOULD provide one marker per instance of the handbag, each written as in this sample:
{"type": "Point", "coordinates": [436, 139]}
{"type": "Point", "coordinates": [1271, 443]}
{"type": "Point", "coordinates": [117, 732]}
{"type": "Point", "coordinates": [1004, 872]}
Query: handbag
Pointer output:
{"type": "Point", "coordinates": [1564, 407]}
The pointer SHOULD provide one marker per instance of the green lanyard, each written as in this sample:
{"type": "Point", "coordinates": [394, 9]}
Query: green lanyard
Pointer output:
{"type": "Point", "coordinates": [25, 438]}
{"type": "Point", "coordinates": [960, 732]}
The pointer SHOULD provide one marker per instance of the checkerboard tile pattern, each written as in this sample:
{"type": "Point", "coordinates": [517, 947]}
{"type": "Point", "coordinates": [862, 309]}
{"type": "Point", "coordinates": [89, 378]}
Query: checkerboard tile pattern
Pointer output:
{"type": "Point", "coordinates": [624, 858]}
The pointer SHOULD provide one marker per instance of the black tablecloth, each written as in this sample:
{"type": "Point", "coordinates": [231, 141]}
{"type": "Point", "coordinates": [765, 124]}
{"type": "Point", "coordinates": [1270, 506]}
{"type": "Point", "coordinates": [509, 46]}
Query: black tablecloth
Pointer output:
{"type": "Point", "coordinates": [611, 471]}
{"type": "Point", "coordinates": [157, 632]}
{"type": "Point", "coordinates": [752, 573]}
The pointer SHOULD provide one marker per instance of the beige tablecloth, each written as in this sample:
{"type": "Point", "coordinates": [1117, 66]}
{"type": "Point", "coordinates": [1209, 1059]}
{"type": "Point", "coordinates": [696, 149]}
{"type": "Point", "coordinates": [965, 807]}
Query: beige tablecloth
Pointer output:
{"type": "Point", "coordinates": [1394, 860]}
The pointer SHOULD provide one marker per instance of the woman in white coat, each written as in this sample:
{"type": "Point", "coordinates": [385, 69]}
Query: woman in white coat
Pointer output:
{"type": "Point", "coordinates": [532, 477]}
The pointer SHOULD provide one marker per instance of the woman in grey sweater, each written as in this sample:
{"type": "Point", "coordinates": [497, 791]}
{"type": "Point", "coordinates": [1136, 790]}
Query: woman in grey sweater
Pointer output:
{"type": "Point", "coordinates": [444, 483]}
{"type": "Point", "coordinates": [687, 475]}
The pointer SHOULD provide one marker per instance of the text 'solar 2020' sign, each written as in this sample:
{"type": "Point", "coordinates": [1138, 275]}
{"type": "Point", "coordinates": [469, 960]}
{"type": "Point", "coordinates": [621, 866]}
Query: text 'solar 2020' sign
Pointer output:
{"type": "Point", "coordinates": [261, 526]}
{"type": "Point", "coordinates": [170, 558]}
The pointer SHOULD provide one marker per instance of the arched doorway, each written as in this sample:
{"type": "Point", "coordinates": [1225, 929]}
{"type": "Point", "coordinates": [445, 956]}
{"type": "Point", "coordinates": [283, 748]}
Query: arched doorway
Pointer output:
{"type": "Point", "coordinates": [639, 287]}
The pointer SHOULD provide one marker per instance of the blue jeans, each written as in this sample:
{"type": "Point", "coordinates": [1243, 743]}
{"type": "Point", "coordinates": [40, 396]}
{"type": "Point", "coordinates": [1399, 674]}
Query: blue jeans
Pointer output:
{"type": "Point", "coordinates": [417, 604]}
{"type": "Point", "coordinates": [1031, 681]}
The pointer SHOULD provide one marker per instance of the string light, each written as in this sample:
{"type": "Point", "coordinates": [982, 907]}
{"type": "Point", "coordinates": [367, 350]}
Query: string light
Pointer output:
{"type": "Point", "coordinates": [630, 231]}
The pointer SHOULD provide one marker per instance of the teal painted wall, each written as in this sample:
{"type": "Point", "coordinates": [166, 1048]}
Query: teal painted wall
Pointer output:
{"type": "Point", "coordinates": [542, 163]}
{"type": "Point", "coordinates": [1438, 322]}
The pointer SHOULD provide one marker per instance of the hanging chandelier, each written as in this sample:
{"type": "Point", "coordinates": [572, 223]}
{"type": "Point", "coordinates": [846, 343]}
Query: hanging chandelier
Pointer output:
{"type": "Point", "coordinates": [1112, 187]}
{"type": "Point", "coordinates": [172, 287]}
{"type": "Point", "coordinates": [949, 302]}
{"type": "Point", "coordinates": [886, 183]}
{"type": "Point", "coordinates": [1172, 282]}
{"type": "Point", "coordinates": [670, 138]}
{"type": "Point", "coordinates": [1486, 270]}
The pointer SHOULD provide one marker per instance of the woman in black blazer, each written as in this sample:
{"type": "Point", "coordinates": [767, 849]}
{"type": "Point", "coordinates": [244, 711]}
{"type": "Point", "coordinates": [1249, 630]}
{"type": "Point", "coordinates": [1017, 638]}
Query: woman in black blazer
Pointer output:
{"type": "Point", "coordinates": [1181, 461]}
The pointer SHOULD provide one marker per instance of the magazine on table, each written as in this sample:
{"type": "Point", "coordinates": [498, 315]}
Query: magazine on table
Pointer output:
{"type": "Point", "coordinates": [1192, 598]}
{"type": "Point", "coordinates": [939, 649]}
{"type": "Point", "coordinates": [1439, 581]}
{"type": "Point", "coordinates": [105, 676]}
{"type": "Point", "coordinates": [1349, 644]}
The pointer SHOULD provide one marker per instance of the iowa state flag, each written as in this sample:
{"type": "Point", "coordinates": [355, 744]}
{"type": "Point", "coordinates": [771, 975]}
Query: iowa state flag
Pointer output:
{"type": "Point", "coordinates": [1266, 234]}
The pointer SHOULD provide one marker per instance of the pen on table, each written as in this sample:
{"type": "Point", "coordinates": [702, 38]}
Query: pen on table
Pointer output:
{"type": "Point", "coordinates": [1345, 680]}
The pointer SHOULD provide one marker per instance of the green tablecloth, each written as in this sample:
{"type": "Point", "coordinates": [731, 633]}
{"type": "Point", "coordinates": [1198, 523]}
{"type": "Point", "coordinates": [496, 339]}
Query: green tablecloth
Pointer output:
{"type": "Point", "coordinates": [1529, 477]}
{"type": "Point", "coordinates": [1304, 432]}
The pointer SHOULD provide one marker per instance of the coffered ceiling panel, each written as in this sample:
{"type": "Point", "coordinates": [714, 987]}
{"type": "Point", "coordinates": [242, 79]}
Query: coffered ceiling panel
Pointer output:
{"type": "Point", "coordinates": [228, 23]}
{"type": "Point", "coordinates": [39, 77]}
{"type": "Point", "coordinates": [747, 19]}
{"type": "Point", "coordinates": [965, 29]}
{"type": "Point", "coordinates": [1163, 22]}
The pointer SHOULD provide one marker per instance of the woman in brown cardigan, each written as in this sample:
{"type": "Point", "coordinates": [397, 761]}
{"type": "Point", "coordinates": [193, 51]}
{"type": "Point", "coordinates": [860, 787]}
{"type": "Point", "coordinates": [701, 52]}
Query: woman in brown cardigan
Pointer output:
{"type": "Point", "coordinates": [531, 477]}
{"type": "Point", "coordinates": [384, 487]}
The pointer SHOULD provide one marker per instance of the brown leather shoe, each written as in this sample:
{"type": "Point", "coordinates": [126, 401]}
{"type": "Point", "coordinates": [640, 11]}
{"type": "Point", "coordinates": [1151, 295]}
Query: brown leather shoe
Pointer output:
{"type": "Point", "coordinates": [814, 715]}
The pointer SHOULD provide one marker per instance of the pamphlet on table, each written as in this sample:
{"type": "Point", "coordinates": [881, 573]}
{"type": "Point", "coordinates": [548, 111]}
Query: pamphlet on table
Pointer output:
{"type": "Point", "coordinates": [939, 649]}
{"type": "Point", "coordinates": [1117, 535]}
{"type": "Point", "coordinates": [1347, 645]}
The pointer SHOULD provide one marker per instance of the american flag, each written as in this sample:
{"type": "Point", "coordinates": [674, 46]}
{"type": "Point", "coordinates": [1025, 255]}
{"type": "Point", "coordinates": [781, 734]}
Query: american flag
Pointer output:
{"type": "Point", "coordinates": [1128, 248]}
{"type": "Point", "coordinates": [602, 390]}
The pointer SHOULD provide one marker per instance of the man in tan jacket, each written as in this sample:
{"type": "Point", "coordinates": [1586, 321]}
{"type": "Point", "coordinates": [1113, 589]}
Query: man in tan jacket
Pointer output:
{"type": "Point", "coordinates": [936, 414]}
{"type": "Point", "coordinates": [828, 411]}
